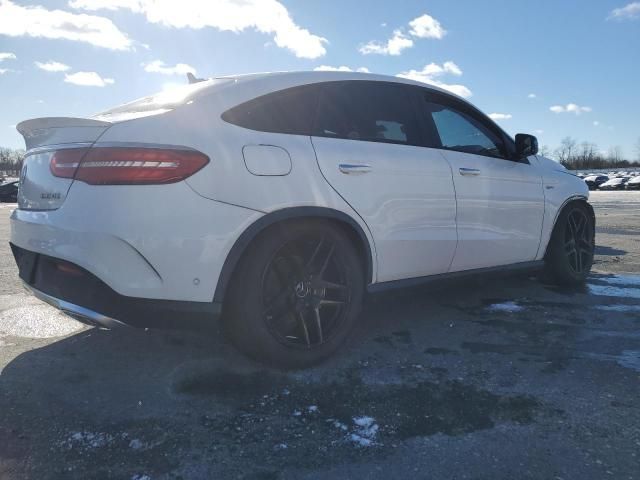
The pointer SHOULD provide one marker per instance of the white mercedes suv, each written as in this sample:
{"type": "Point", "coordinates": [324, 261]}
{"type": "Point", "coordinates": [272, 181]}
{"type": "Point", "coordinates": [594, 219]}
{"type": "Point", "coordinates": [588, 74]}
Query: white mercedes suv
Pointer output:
{"type": "Point", "coordinates": [276, 201]}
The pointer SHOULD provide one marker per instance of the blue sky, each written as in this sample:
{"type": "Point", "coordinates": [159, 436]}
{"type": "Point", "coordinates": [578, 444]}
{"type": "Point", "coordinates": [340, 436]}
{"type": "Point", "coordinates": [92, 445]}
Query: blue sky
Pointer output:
{"type": "Point", "coordinates": [552, 67]}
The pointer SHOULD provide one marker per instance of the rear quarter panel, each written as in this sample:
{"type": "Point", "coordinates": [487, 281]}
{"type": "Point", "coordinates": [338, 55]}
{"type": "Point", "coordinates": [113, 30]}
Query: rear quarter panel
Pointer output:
{"type": "Point", "coordinates": [226, 179]}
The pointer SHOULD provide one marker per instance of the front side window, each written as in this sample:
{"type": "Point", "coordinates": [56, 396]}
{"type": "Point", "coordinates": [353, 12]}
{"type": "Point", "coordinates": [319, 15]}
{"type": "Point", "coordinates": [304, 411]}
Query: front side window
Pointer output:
{"type": "Point", "coordinates": [366, 111]}
{"type": "Point", "coordinates": [461, 132]}
{"type": "Point", "coordinates": [286, 111]}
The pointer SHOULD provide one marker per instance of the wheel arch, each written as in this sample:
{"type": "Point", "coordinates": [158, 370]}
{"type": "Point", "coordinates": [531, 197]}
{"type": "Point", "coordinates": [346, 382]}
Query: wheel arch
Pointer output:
{"type": "Point", "coordinates": [353, 229]}
{"type": "Point", "coordinates": [566, 204]}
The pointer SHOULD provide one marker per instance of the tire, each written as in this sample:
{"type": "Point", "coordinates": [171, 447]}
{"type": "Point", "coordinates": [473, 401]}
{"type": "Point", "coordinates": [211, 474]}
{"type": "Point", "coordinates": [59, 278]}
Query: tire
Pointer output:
{"type": "Point", "coordinates": [296, 294]}
{"type": "Point", "coordinates": [570, 251]}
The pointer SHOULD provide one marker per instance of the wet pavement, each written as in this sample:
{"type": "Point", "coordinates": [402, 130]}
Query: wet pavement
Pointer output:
{"type": "Point", "coordinates": [483, 379]}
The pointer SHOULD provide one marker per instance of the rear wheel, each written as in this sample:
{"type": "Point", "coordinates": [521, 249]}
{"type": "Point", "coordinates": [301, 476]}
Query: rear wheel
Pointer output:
{"type": "Point", "coordinates": [296, 294]}
{"type": "Point", "coordinates": [570, 252]}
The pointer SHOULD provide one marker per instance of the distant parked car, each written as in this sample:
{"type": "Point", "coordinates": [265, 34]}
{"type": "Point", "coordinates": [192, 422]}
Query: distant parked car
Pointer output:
{"type": "Point", "coordinates": [633, 183]}
{"type": "Point", "coordinates": [617, 183]}
{"type": "Point", "coordinates": [594, 181]}
{"type": "Point", "coordinates": [9, 192]}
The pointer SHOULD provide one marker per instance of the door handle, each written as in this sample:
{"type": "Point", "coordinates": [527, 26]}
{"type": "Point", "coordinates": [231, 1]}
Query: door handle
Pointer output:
{"type": "Point", "coordinates": [469, 172]}
{"type": "Point", "coordinates": [354, 169]}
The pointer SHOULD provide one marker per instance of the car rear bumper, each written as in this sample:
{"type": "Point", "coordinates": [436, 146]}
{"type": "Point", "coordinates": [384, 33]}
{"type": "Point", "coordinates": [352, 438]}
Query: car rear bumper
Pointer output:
{"type": "Point", "coordinates": [81, 294]}
{"type": "Point", "coordinates": [164, 243]}
{"type": "Point", "coordinates": [82, 314]}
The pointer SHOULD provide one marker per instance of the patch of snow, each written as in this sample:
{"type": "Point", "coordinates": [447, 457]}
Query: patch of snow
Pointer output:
{"type": "Point", "coordinates": [281, 446]}
{"type": "Point", "coordinates": [139, 476]}
{"type": "Point", "coordinates": [360, 441]}
{"type": "Point", "coordinates": [312, 409]}
{"type": "Point", "coordinates": [618, 308]}
{"type": "Point", "coordinates": [297, 413]}
{"type": "Point", "coordinates": [613, 291]}
{"type": "Point", "coordinates": [88, 440]}
{"type": "Point", "coordinates": [509, 307]}
{"type": "Point", "coordinates": [339, 424]}
{"type": "Point", "coordinates": [365, 431]}
{"type": "Point", "coordinates": [136, 444]}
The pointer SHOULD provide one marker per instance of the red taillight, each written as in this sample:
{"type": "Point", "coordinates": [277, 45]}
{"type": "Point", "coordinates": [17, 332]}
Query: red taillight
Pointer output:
{"type": "Point", "coordinates": [64, 163]}
{"type": "Point", "coordinates": [130, 166]}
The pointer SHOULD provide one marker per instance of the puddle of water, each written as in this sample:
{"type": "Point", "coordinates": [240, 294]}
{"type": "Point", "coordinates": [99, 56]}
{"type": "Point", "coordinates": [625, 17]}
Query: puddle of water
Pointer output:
{"type": "Point", "coordinates": [613, 291]}
{"type": "Point", "coordinates": [401, 411]}
{"type": "Point", "coordinates": [619, 308]}
{"type": "Point", "coordinates": [631, 280]}
{"type": "Point", "coordinates": [508, 307]}
{"type": "Point", "coordinates": [627, 359]}
{"type": "Point", "coordinates": [630, 359]}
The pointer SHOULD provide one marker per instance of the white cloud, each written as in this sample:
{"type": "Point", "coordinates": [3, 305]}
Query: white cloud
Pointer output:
{"type": "Point", "coordinates": [628, 12]}
{"type": "Point", "coordinates": [430, 74]}
{"type": "Point", "coordinates": [87, 79]}
{"type": "Point", "coordinates": [394, 46]}
{"type": "Point", "coordinates": [596, 123]}
{"type": "Point", "coordinates": [328, 68]}
{"type": "Point", "coordinates": [500, 116]}
{"type": "Point", "coordinates": [538, 132]}
{"type": "Point", "coordinates": [532, 95]}
{"type": "Point", "coordinates": [7, 56]}
{"type": "Point", "coordinates": [570, 108]}
{"type": "Point", "coordinates": [426, 26]}
{"type": "Point", "coordinates": [4, 70]}
{"type": "Point", "coordinates": [38, 22]}
{"type": "Point", "coordinates": [265, 16]}
{"type": "Point", "coordinates": [158, 66]}
{"type": "Point", "coordinates": [52, 66]}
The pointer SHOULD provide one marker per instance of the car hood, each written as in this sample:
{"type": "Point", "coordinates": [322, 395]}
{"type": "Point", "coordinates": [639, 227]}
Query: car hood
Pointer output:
{"type": "Point", "coordinates": [552, 165]}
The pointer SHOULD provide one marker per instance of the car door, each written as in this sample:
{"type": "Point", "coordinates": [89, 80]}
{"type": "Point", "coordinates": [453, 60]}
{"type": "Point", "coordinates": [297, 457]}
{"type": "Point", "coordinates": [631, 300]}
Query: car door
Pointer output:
{"type": "Point", "coordinates": [500, 201]}
{"type": "Point", "coordinates": [369, 147]}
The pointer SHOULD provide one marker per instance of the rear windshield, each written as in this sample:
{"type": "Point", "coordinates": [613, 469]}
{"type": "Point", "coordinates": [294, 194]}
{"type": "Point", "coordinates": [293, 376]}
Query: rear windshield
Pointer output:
{"type": "Point", "coordinates": [158, 103]}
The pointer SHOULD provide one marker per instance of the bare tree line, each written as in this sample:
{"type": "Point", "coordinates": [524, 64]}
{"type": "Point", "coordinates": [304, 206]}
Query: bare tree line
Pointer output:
{"type": "Point", "coordinates": [11, 161]}
{"type": "Point", "coordinates": [587, 155]}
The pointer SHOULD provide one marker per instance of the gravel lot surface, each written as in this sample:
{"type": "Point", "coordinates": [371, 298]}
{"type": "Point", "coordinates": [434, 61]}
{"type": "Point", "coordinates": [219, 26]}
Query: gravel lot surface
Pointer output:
{"type": "Point", "coordinates": [498, 379]}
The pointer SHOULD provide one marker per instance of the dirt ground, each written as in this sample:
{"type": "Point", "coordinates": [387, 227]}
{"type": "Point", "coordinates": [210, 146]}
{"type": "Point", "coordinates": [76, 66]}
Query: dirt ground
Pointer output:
{"type": "Point", "coordinates": [497, 379]}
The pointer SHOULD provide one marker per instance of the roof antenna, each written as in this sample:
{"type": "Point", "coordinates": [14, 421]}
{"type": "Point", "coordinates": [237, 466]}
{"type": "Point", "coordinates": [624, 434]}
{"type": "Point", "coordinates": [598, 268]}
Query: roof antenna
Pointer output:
{"type": "Point", "coordinates": [193, 79]}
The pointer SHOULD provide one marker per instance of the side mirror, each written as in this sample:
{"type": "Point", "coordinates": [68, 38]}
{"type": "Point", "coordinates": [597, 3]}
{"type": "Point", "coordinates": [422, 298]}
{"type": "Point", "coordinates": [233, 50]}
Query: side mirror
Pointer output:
{"type": "Point", "coordinates": [526, 145]}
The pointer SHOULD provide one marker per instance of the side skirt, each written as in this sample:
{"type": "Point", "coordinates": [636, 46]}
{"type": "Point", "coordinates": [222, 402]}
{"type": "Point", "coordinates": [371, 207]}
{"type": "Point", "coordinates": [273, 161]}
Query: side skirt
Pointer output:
{"type": "Point", "coordinates": [506, 270]}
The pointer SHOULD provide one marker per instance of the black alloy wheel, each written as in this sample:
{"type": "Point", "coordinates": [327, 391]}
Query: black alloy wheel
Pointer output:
{"type": "Point", "coordinates": [304, 292]}
{"type": "Point", "coordinates": [578, 241]}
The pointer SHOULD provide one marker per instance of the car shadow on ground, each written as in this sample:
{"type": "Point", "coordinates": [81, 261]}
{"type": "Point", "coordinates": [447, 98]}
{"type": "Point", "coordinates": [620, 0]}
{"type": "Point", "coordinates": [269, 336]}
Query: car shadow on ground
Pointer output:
{"type": "Point", "coordinates": [120, 403]}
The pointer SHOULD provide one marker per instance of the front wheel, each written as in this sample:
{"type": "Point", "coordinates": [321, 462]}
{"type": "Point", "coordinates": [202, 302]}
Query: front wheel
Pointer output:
{"type": "Point", "coordinates": [296, 294]}
{"type": "Point", "coordinates": [571, 247]}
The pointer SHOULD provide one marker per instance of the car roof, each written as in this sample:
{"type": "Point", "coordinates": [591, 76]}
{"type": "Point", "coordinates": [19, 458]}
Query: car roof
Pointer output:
{"type": "Point", "coordinates": [309, 77]}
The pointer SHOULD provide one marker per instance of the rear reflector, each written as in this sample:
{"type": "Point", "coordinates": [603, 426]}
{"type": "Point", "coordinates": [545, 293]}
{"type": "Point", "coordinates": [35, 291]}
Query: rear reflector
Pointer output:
{"type": "Point", "coordinates": [127, 166]}
{"type": "Point", "coordinates": [70, 269]}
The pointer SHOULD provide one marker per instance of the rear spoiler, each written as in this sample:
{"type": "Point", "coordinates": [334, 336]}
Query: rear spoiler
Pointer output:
{"type": "Point", "coordinates": [53, 130]}
{"type": "Point", "coordinates": [29, 127]}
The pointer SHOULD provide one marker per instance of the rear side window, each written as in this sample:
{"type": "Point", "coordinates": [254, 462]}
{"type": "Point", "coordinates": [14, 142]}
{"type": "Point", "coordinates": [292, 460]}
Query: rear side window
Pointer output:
{"type": "Point", "coordinates": [367, 111]}
{"type": "Point", "coordinates": [286, 111]}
